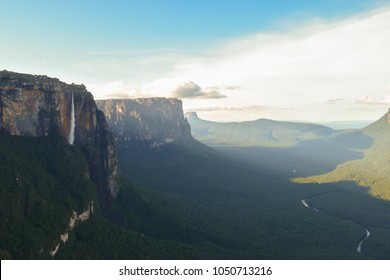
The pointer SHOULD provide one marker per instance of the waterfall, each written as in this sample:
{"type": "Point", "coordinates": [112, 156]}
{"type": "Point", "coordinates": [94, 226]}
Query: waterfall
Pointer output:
{"type": "Point", "coordinates": [72, 124]}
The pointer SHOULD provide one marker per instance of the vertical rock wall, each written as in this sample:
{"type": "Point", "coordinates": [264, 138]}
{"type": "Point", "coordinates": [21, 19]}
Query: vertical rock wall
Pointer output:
{"type": "Point", "coordinates": [157, 121]}
{"type": "Point", "coordinates": [33, 105]}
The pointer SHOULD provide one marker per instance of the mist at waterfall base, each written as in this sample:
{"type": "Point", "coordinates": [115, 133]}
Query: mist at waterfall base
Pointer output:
{"type": "Point", "coordinates": [72, 124]}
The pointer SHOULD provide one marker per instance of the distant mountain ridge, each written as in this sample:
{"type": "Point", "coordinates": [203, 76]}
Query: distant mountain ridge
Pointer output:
{"type": "Point", "coordinates": [261, 132]}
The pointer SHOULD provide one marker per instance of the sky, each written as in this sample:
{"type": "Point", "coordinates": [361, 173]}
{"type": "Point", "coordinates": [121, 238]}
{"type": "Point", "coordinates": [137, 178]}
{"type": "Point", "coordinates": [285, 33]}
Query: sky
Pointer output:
{"type": "Point", "coordinates": [318, 61]}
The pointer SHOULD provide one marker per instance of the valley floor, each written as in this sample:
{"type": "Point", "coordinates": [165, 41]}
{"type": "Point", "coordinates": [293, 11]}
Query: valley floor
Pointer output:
{"type": "Point", "coordinates": [258, 213]}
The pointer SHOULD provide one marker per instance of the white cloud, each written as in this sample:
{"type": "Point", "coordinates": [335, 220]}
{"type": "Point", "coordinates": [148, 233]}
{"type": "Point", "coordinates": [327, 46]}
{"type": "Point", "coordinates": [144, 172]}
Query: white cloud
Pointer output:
{"type": "Point", "coordinates": [189, 89]}
{"type": "Point", "coordinates": [166, 87]}
{"type": "Point", "coordinates": [370, 100]}
{"type": "Point", "coordinates": [232, 87]}
{"type": "Point", "coordinates": [336, 100]}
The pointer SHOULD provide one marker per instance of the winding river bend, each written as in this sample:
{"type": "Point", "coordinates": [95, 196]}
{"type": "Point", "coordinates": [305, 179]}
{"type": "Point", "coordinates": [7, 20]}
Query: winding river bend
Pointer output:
{"type": "Point", "coordinates": [359, 247]}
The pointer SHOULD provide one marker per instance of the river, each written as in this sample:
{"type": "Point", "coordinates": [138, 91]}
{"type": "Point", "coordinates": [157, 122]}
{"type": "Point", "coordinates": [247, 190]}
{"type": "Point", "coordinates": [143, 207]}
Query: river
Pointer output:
{"type": "Point", "coordinates": [359, 247]}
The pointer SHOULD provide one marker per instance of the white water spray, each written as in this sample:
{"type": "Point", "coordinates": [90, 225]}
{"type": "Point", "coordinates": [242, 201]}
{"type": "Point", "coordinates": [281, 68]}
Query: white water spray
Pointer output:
{"type": "Point", "coordinates": [72, 124]}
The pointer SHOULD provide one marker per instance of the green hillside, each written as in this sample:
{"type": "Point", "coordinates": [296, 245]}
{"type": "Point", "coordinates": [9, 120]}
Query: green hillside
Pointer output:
{"type": "Point", "coordinates": [372, 170]}
{"type": "Point", "coordinates": [41, 184]}
{"type": "Point", "coordinates": [43, 180]}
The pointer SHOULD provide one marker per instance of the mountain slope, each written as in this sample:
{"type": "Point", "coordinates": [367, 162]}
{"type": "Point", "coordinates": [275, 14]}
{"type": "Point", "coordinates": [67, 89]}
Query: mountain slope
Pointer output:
{"type": "Point", "coordinates": [262, 132]}
{"type": "Point", "coordinates": [41, 185]}
{"type": "Point", "coordinates": [373, 170]}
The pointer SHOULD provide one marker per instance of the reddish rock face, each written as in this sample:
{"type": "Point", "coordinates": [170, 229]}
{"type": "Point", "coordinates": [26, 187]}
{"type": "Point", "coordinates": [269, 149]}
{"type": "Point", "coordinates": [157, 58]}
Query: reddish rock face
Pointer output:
{"type": "Point", "coordinates": [20, 110]}
{"type": "Point", "coordinates": [33, 105]}
{"type": "Point", "coordinates": [38, 105]}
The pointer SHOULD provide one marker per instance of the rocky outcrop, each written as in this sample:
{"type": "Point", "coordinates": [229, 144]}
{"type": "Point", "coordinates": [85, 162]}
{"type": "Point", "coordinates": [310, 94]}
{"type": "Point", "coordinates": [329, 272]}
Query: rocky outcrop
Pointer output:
{"type": "Point", "coordinates": [73, 221]}
{"type": "Point", "coordinates": [387, 116]}
{"type": "Point", "coordinates": [32, 105]}
{"type": "Point", "coordinates": [156, 121]}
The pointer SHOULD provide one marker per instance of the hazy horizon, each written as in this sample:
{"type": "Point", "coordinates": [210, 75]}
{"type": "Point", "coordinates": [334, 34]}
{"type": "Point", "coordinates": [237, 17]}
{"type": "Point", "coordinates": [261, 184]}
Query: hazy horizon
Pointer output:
{"type": "Point", "coordinates": [346, 124]}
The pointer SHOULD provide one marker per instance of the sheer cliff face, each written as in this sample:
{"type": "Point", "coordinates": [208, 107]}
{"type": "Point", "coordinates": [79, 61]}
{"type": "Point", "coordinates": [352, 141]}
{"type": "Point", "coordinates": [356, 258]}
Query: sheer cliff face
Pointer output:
{"type": "Point", "coordinates": [38, 106]}
{"type": "Point", "coordinates": [156, 121]}
{"type": "Point", "coordinates": [41, 106]}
